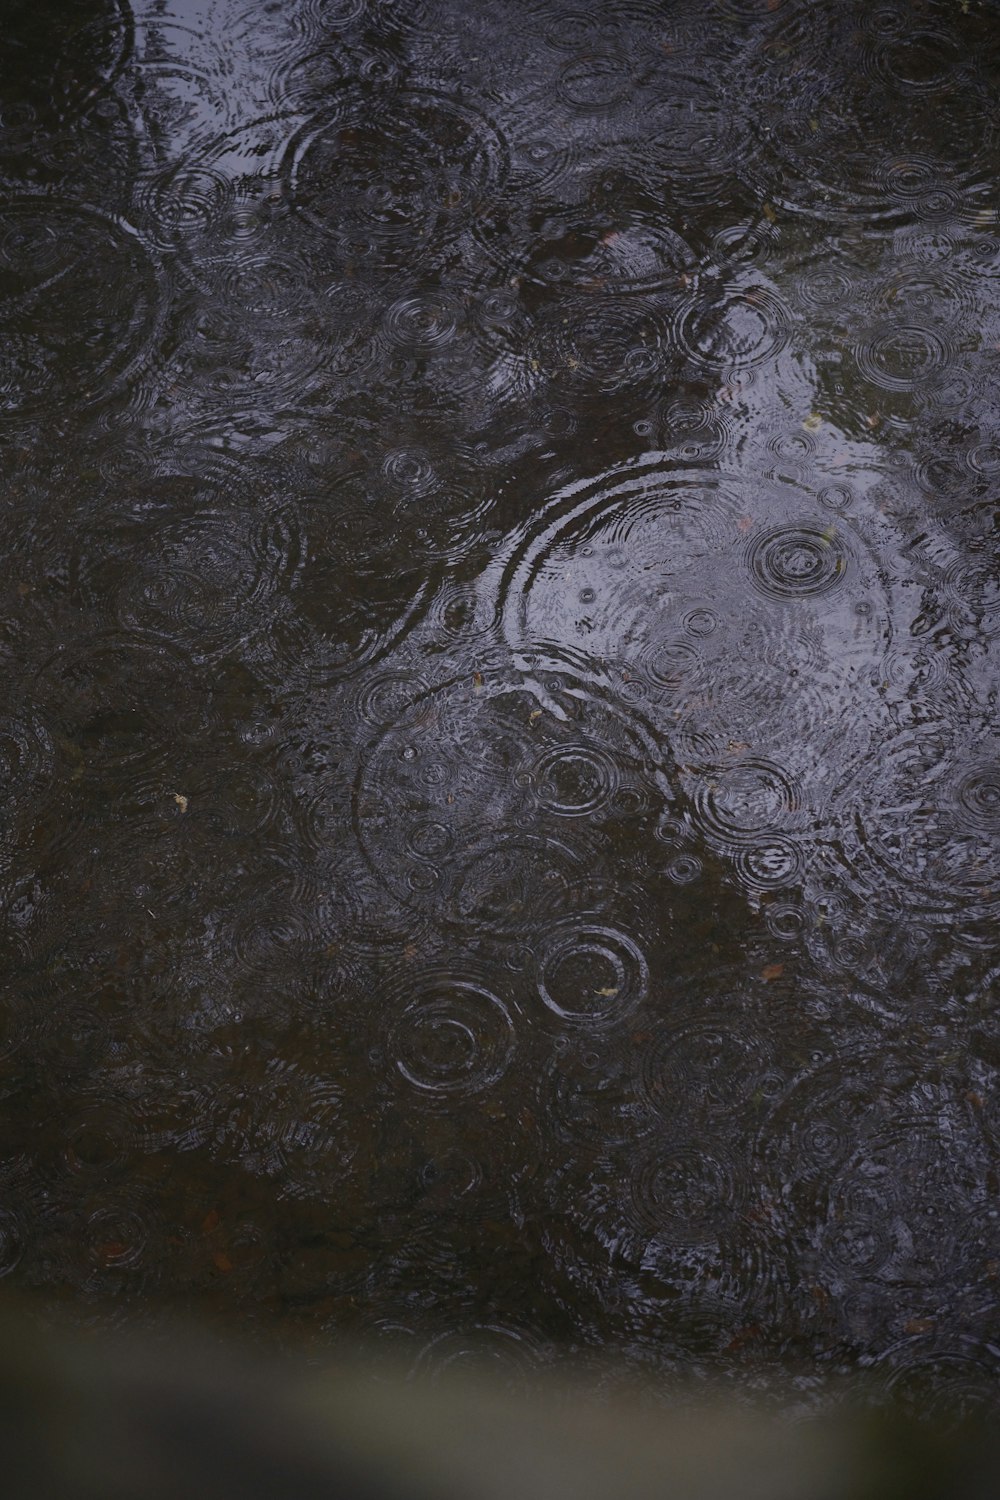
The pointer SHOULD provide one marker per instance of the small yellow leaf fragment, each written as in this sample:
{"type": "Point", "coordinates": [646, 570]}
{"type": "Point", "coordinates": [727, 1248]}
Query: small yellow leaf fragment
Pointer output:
{"type": "Point", "coordinates": [608, 992]}
{"type": "Point", "coordinates": [536, 713]}
{"type": "Point", "coordinates": [182, 801]}
{"type": "Point", "coordinates": [813, 123]}
{"type": "Point", "coordinates": [768, 212]}
{"type": "Point", "coordinates": [477, 680]}
{"type": "Point", "coordinates": [813, 422]}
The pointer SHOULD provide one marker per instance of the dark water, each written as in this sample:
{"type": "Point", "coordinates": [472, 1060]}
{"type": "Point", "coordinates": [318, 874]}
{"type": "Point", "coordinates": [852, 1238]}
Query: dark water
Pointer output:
{"type": "Point", "coordinates": [499, 628]}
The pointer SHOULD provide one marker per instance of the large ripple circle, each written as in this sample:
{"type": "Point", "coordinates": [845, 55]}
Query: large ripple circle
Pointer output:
{"type": "Point", "coordinates": [592, 976]}
{"type": "Point", "coordinates": [393, 177]}
{"type": "Point", "coordinates": [451, 1037]}
{"type": "Point", "coordinates": [796, 562]}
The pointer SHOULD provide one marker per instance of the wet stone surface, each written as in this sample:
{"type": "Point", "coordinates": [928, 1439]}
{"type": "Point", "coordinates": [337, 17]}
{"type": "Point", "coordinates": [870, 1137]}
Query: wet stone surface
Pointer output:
{"type": "Point", "coordinates": [499, 617]}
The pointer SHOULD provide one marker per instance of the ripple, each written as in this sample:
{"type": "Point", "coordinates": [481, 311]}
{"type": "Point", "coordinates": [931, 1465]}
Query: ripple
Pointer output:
{"type": "Point", "coordinates": [630, 255]}
{"type": "Point", "coordinates": [938, 1379]}
{"type": "Point", "coordinates": [588, 1097]}
{"type": "Point", "coordinates": [772, 864]}
{"type": "Point", "coordinates": [219, 198]}
{"type": "Point", "coordinates": [26, 765]}
{"type": "Point", "coordinates": [736, 328]}
{"type": "Point", "coordinates": [972, 589]}
{"type": "Point", "coordinates": [463, 804]}
{"type": "Point", "coordinates": [736, 803]}
{"type": "Point", "coordinates": [187, 564]}
{"type": "Point", "coordinates": [100, 1140]}
{"type": "Point", "coordinates": [595, 82]}
{"type": "Point", "coordinates": [686, 1195]}
{"type": "Point", "coordinates": [509, 1353]}
{"type": "Point", "coordinates": [610, 544]}
{"type": "Point", "coordinates": [922, 823]}
{"type": "Point", "coordinates": [825, 289]}
{"type": "Point", "coordinates": [977, 797]}
{"type": "Point", "coordinates": [284, 1121]}
{"type": "Point", "coordinates": [796, 562]}
{"type": "Point", "coordinates": [77, 55]}
{"type": "Point", "coordinates": [694, 141]}
{"type": "Point", "coordinates": [701, 1069]}
{"type": "Point", "coordinates": [608, 587]}
{"type": "Point", "coordinates": [619, 344]}
{"type": "Point", "coordinates": [592, 976]}
{"type": "Point", "coordinates": [124, 708]}
{"type": "Point", "coordinates": [393, 179]}
{"type": "Point", "coordinates": [342, 618]}
{"type": "Point", "coordinates": [423, 322]}
{"type": "Point", "coordinates": [836, 103]}
{"type": "Point", "coordinates": [13, 1237]}
{"type": "Point", "coordinates": [575, 780]}
{"type": "Point", "coordinates": [449, 1036]}
{"type": "Point", "coordinates": [518, 882]}
{"type": "Point", "coordinates": [82, 304]}
{"type": "Point", "coordinates": [899, 358]}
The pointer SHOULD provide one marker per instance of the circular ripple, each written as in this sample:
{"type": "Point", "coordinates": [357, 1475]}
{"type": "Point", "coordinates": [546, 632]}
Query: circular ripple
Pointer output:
{"type": "Point", "coordinates": [354, 597]}
{"type": "Point", "coordinates": [595, 82]}
{"type": "Point", "coordinates": [614, 344]}
{"type": "Point", "coordinates": [686, 1195]}
{"type": "Point", "coordinates": [26, 763]}
{"type": "Point", "coordinates": [735, 328]}
{"type": "Point", "coordinates": [389, 179]}
{"type": "Point", "coordinates": [592, 976]}
{"type": "Point", "coordinates": [941, 1381]}
{"type": "Point", "coordinates": [923, 823]}
{"type": "Point", "coordinates": [837, 102]}
{"type": "Point", "coordinates": [123, 708]}
{"type": "Point", "coordinates": [450, 1037]}
{"type": "Point", "coordinates": [694, 141]}
{"type": "Point", "coordinates": [588, 1097]}
{"type": "Point", "coordinates": [81, 303]}
{"type": "Point", "coordinates": [608, 586]}
{"type": "Point", "coordinates": [575, 780]}
{"type": "Point", "coordinates": [631, 256]}
{"type": "Point", "coordinates": [738, 802]}
{"type": "Point", "coordinates": [902, 358]}
{"type": "Point", "coordinates": [187, 563]}
{"type": "Point", "coordinates": [796, 562]}
{"type": "Point", "coordinates": [973, 592]}
{"type": "Point", "coordinates": [701, 1069]}
{"type": "Point", "coordinates": [772, 863]}
{"type": "Point", "coordinates": [977, 797]}
{"type": "Point", "coordinates": [424, 322]}
{"type": "Point", "coordinates": [464, 803]}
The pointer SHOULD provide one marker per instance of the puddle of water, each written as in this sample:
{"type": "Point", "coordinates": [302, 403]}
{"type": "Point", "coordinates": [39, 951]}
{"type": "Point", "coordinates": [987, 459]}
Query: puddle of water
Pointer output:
{"type": "Point", "coordinates": [500, 617]}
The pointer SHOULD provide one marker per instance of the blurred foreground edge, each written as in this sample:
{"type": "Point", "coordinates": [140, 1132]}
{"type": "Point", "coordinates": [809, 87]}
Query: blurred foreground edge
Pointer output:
{"type": "Point", "coordinates": [153, 1417]}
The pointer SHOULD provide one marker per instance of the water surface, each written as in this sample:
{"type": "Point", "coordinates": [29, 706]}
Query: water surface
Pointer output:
{"type": "Point", "coordinates": [499, 629]}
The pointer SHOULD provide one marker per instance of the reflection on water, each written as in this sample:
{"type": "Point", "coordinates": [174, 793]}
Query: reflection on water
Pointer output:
{"type": "Point", "coordinates": [499, 619]}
